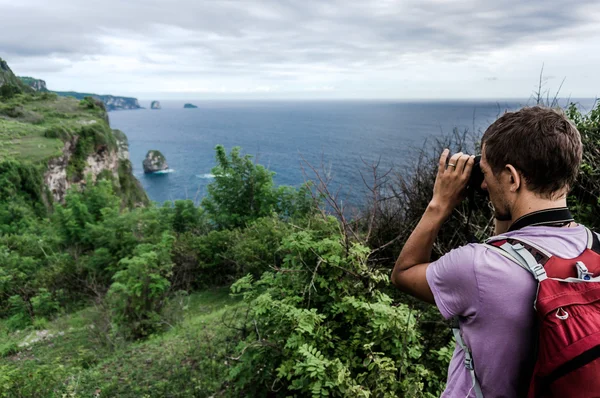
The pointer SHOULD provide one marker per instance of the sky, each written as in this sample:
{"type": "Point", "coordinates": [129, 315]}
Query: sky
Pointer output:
{"type": "Point", "coordinates": [323, 49]}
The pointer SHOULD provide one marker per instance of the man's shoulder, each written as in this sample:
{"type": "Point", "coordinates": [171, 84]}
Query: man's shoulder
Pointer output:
{"type": "Point", "coordinates": [479, 258]}
{"type": "Point", "coordinates": [470, 252]}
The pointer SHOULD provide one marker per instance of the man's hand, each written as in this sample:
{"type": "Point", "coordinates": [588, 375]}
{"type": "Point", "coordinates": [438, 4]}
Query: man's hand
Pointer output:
{"type": "Point", "coordinates": [451, 181]}
{"type": "Point", "coordinates": [409, 272]}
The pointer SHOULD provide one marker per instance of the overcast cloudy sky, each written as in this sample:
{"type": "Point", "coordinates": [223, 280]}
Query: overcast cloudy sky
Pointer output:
{"type": "Point", "coordinates": [406, 49]}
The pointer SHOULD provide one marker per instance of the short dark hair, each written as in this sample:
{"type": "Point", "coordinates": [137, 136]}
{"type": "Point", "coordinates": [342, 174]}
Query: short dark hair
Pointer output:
{"type": "Point", "coordinates": [542, 143]}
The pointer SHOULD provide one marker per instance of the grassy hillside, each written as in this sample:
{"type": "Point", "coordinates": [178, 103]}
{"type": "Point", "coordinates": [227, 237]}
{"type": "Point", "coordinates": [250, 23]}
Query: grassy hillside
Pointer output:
{"type": "Point", "coordinates": [8, 78]}
{"type": "Point", "coordinates": [74, 355]}
{"type": "Point", "coordinates": [31, 125]}
{"type": "Point", "coordinates": [38, 127]}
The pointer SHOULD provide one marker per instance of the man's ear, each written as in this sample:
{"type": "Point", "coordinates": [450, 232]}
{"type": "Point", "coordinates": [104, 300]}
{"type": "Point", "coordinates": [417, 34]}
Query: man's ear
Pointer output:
{"type": "Point", "coordinates": [514, 178]}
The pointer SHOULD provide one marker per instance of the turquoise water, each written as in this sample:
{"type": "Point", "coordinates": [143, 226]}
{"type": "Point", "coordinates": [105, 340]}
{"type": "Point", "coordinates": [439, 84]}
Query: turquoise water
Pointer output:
{"type": "Point", "coordinates": [339, 135]}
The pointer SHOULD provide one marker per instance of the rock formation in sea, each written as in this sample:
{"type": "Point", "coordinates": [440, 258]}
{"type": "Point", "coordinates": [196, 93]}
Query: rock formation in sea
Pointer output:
{"type": "Point", "coordinates": [190, 106]}
{"type": "Point", "coordinates": [155, 161]}
{"type": "Point", "coordinates": [155, 105]}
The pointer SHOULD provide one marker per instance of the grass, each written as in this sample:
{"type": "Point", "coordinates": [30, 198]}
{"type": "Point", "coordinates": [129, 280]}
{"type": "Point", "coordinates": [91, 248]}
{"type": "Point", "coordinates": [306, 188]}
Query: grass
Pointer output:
{"type": "Point", "coordinates": [25, 119]}
{"type": "Point", "coordinates": [190, 359]}
{"type": "Point", "coordinates": [24, 141]}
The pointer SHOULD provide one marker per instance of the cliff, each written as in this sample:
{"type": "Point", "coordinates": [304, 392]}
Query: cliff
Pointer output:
{"type": "Point", "coordinates": [67, 142]}
{"type": "Point", "coordinates": [36, 84]}
{"type": "Point", "coordinates": [111, 102]}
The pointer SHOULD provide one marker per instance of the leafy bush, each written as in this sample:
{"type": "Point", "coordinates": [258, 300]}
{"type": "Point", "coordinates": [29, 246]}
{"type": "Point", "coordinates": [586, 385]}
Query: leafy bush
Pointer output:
{"type": "Point", "coordinates": [584, 195]}
{"type": "Point", "coordinates": [8, 91]}
{"type": "Point", "coordinates": [243, 191]}
{"type": "Point", "coordinates": [140, 290]}
{"type": "Point", "coordinates": [318, 326]}
{"type": "Point", "coordinates": [58, 131]}
{"type": "Point", "coordinates": [32, 380]}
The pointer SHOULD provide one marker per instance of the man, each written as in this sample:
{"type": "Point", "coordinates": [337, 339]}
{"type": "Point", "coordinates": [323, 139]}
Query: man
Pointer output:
{"type": "Point", "coordinates": [530, 160]}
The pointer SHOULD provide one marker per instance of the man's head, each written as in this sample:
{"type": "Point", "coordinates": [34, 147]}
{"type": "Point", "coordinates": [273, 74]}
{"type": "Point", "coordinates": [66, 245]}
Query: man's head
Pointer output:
{"type": "Point", "coordinates": [534, 152]}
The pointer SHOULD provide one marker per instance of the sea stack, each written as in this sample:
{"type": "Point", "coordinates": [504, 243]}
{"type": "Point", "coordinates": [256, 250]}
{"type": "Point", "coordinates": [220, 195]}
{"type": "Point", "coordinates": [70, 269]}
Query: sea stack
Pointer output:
{"type": "Point", "coordinates": [189, 106]}
{"type": "Point", "coordinates": [155, 105]}
{"type": "Point", "coordinates": [154, 162]}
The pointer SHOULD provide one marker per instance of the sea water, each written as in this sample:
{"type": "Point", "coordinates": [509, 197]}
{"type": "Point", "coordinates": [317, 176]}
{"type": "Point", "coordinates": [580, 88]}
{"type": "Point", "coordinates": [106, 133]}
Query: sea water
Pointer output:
{"type": "Point", "coordinates": [339, 138]}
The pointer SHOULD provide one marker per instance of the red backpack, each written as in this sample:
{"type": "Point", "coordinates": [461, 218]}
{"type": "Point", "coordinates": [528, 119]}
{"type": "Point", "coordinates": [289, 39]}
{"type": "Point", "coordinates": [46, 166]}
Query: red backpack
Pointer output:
{"type": "Point", "coordinates": [568, 310]}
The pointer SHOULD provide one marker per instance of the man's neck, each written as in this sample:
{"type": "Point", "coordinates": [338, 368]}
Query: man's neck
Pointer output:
{"type": "Point", "coordinates": [533, 204]}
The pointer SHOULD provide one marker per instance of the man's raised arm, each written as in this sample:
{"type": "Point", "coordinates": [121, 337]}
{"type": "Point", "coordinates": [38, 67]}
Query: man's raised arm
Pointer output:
{"type": "Point", "coordinates": [409, 272]}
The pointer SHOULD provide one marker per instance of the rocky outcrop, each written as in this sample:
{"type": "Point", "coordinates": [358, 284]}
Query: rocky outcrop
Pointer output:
{"type": "Point", "coordinates": [101, 161]}
{"type": "Point", "coordinates": [190, 106]}
{"type": "Point", "coordinates": [55, 177]}
{"type": "Point", "coordinates": [155, 105]}
{"type": "Point", "coordinates": [122, 145]}
{"type": "Point", "coordinates": [36, 84]}
{"type": "Point", "coordinates": [155, 161]}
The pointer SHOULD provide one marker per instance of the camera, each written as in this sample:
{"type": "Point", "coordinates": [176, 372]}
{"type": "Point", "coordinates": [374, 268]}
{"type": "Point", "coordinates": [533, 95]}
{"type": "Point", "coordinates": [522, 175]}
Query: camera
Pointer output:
{"type": "Point", "coordinates": [476, 179]}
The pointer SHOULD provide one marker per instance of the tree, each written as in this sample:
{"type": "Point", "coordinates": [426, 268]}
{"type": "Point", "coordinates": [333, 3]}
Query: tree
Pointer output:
{"type": "Point", "coordinates": [241, 192]}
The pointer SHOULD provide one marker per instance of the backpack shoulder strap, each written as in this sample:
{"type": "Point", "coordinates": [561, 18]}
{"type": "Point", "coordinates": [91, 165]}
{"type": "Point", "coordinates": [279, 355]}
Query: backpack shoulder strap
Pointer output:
{"type": "Point", "coordinates": [468, 357]}
{"type": "Point", "coordinates": [500, 250]}
{"type": "Point", "coordinates": [538, 251]}
{"type": "Point", "coordinates": [593, 241]}
{"type": "Point", "coordinates": [526, 254]}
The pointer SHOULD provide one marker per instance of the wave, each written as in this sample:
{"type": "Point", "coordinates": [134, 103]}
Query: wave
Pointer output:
{"type": "Point", "coordinates": [167, 171]}
{"type": "Point", "coordinates": [207, 175]}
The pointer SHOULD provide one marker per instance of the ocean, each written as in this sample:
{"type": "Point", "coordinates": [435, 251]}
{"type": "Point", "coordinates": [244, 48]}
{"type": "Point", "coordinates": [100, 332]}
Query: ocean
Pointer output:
{"type": "Point", "coordinates": [286, 136]}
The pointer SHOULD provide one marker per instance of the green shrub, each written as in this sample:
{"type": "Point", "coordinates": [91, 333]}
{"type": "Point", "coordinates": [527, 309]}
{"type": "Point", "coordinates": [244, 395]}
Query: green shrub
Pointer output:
{"type": "Point", "coordinates": [243, 191]}
{"type": "Point", "coordinates": [32, 380]}
{"type": "Point", "coordinates": [58, 131]}
{"type": "Point", "coordinates": [89, 103]}
{"type": "Point", "coordinates": [129, 188]}
{"type": "Point", "coordinates": [44, 303]}
{"type": "Point", "coordinates": [583, 199]}
{"type": "Point", "coordinates": [140, 290]}
{"type": "Point", "coordinates": [8, 91]}
{"type": "Point", "coordinates": [319, 327]}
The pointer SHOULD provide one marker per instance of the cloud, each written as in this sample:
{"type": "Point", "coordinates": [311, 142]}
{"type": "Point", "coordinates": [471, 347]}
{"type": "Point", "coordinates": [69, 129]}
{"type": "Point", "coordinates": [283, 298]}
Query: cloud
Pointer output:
{"type": "Point", "coordinates": [282, 43]}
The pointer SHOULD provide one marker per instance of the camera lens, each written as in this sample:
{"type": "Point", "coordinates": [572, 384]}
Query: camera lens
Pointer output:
{"type": "Point", "coordinates": [476, 178]}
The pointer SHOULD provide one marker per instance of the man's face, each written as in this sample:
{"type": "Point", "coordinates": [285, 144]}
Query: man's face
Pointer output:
{"type": "Point", "coordinates": [495, 189]}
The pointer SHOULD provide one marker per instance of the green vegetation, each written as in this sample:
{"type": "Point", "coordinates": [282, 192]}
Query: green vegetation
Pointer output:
{"type": "Point", "coordinates": [72, 355]}
{"type": "Point", "coordinates": [9, 83]}
{"type": "Point", "coordinates": [37, 127]}
{"type": "Point", "coordinates": [259, 291]}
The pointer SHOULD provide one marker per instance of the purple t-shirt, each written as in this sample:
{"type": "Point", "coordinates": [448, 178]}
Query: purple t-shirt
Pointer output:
{"type": "Point", "coordinates": [493, 298]}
